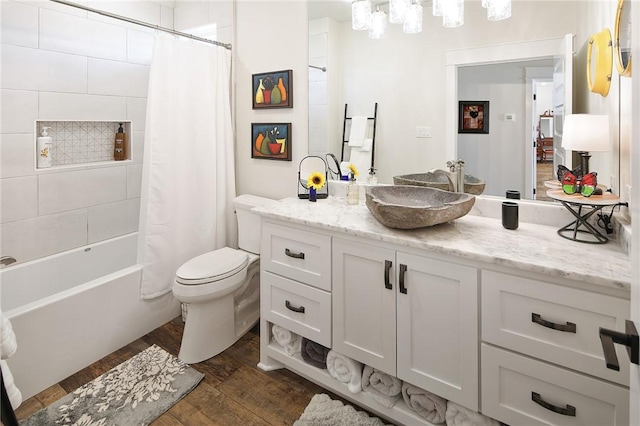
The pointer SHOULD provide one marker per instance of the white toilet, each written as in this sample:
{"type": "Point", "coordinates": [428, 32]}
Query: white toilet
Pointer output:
{"type": "Point", "coordinates": [222, 289]}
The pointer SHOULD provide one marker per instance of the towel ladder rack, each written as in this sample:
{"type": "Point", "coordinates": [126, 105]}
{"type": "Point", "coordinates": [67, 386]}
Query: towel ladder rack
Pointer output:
{"type": "Point", "coordinates": [373, 136]}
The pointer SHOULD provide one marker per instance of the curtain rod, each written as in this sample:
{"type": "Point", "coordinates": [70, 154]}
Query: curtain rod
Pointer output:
{"type": "Point", "coordinates": [142, 23]}
{"type": "Point", "coordinates": [324, 69]}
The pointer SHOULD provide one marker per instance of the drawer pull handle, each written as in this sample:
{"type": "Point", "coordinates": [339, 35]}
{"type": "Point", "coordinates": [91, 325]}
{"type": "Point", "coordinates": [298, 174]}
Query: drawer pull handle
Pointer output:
{"type": "Point", "coordinates": [290, 307]}
{"type": "Point", "coordinates": [403, 271]}
{"type": "Point", "coordinates": [569, 327]}
{"type": "Point", "coordinates": [387, 268]}
{"type": "Point", "coordinates": [629, 339]}
{"type": "Point", "coordinates": [294, 255]}
{"type": "Point", "coordinates": [570, 410]}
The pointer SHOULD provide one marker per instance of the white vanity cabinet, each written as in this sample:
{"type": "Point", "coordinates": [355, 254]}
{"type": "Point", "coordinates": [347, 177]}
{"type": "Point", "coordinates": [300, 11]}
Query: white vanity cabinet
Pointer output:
{"type": "Point", "coordinates": [542, 361]}
{"type": "Point", "coordinates": [408, 315]}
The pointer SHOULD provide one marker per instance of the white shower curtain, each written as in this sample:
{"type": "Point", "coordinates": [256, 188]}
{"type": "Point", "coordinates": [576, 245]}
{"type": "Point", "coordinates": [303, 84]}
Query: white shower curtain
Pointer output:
{"type": "Point", "coordinates": [188, 174]}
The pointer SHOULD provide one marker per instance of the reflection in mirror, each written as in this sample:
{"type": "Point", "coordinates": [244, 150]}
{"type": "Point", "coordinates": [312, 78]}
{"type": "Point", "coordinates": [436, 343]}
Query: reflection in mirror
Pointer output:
{"type": "Point", "coordinates": [499, 157]}
{"type": "Point", "coordinates": [623, 38]}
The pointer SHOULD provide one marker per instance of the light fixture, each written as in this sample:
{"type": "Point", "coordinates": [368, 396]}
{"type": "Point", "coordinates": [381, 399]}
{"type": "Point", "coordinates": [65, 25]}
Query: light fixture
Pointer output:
{"type": "Point", "coordinates": [452, 13]}
{"type": "Point", "coordinates": [585, 133]}
{"type": "Point", "coordinates": [360, 14]}
{"type": "Point", "coordinates": [378, 27]}
{"type": "Point", "coordinates": [498, 10]}
{"type": "Point", "coordinates": [413, 18]}
{"type": "Point", "coordinates": [409, 14]}
{"type": "Point", "coordinates": [397, 10]}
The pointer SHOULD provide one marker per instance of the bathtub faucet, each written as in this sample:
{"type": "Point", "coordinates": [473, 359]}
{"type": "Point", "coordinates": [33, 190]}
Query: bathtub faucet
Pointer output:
{"type": "Point", "coordinates": [6, 261]}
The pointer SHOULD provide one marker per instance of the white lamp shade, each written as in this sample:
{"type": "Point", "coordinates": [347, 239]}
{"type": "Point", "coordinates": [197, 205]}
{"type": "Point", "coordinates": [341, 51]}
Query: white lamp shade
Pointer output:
{"type": "Point", "coordinates": [360, 14]}
{"type": "Point", "coordinates": [586, 132]}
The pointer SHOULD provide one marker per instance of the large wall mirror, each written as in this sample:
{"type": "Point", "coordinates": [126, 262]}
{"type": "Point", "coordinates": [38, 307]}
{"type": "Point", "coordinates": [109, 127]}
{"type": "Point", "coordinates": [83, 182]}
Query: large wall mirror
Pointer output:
{"type": "Point", "coordinates": [406, 75]}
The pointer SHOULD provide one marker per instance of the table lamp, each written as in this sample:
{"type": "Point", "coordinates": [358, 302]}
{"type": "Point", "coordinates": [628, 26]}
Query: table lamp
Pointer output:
{"type": "Point", "coordinates": [585, 133]}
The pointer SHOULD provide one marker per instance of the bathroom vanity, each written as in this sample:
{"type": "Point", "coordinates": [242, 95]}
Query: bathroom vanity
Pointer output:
{"type": "Point", "coordinates": [502, 322]}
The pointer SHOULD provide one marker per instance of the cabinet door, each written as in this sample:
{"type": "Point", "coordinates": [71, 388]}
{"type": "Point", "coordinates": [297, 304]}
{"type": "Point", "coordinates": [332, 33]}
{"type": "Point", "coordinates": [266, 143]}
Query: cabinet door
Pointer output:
{"type": "Point", "coordinates": [364, 306]}
{"type": "Point", "coordinates": [438, 327]}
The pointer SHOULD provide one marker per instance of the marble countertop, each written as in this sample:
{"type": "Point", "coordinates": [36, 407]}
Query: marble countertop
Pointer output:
{"type": "Point", "coordinates": [532, 247]}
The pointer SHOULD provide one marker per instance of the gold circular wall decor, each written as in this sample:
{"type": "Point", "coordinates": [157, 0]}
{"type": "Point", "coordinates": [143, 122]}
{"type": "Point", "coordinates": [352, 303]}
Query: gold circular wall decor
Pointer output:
{"type": "Point", "coordinates": [600, 62]}
{"type": "Point", "coordinates": [622, 34]}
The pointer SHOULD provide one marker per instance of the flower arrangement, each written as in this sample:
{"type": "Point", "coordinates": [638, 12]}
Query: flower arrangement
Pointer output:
{"type": "Point", "coordinates": [353, 172]}
{"type": "Point", "coordinates": [315, 182]}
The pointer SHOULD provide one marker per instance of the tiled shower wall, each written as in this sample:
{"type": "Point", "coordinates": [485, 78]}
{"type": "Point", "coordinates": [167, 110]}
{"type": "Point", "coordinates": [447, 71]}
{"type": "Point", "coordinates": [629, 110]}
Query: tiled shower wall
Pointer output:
{"type": "Point", "coordinates": [61, 63]}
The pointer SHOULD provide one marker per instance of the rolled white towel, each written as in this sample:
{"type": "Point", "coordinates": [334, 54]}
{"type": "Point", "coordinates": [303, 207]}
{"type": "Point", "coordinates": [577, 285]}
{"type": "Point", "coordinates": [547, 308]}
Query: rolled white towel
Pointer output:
{"type": "Point", "coordinates": [426, 404]}
{"type": "Point", "coordinates": [457, 415]}
{"type": "Point", "coordinates": [381, 386]}
{"type": "Point", "coordinates": [14, 394]}
{"type": "Point", "coordinates": [8, 343]}
{"type": "Point", "coordinates": [345, 370]}
{"type": "Point", "coordinates": [290, 341]}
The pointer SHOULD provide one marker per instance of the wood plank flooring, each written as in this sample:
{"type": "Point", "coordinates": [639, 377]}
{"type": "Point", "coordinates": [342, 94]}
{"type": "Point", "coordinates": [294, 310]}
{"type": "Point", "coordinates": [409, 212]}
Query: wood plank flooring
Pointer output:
{"type": "Point", "coordinates": [544, 171]}
{"type": "Point", "coordinates": [233, 392]}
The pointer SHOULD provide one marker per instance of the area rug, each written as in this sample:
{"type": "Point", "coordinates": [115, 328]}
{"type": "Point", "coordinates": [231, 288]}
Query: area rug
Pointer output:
{"type": "Point", "coordinates": [135, 392]}
{"type": "Point", "coordinates": [324, 411]}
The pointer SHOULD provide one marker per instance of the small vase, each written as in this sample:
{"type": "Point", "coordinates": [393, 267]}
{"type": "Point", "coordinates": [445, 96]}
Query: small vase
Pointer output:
{"type": "Point", "coordinates": [353, 193]}
{"type": "Point", "coordinates": [312, 195]}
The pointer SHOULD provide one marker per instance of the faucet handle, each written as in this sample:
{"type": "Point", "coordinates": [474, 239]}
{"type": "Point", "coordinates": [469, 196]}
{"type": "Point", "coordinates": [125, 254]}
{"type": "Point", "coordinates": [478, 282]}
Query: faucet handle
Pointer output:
{"type": "Point", "coordinates": [451, 165]}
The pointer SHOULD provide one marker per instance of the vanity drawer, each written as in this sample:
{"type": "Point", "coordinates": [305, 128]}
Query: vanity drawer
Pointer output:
{"type": "Point", "coordinates": [297, 307]}
{"type": "Point", "coordinates": [509, 382]}
{"type": "Point", "coordinates": [552, 322]}
{"type": "Point", "coordinates": [297, 254]}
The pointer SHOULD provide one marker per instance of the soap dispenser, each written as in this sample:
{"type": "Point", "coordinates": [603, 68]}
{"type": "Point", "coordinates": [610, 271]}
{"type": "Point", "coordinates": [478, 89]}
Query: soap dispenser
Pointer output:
{"type": "Point", "coordinates": [119, 148]}
{"type": "Point", "coordinates": [44, 144]}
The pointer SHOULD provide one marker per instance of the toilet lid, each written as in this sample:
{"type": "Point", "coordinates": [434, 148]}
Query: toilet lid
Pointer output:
{"type": "Point", "coordinates": [212, 266]}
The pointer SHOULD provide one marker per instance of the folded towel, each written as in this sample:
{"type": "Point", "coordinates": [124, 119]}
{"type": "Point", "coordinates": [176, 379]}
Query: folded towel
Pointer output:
{"type": "Point", "coordinates": [358, 131]}
{"type": "Point", "coordinates": [314, 353]}
{"type": "Point", "coordinates": [381, 386]}
{"type": "Point", "coordinates": [290, 341]}
{"type": "Point", "coordinates": [8, 344]}
{"type": "Point", "coordinates": [459, 416]}
{"type": "Point", "coordinates": [13, 393]}
{"type": "Point", "coordinates": [431, 407]}
{"type": "Point", "coordinates": [345, 370]}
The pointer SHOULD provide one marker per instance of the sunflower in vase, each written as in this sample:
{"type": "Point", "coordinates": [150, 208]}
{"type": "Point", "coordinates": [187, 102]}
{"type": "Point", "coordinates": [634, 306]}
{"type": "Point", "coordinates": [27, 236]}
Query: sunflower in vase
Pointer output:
{"type": "Point", "coordinates": [315, 182]}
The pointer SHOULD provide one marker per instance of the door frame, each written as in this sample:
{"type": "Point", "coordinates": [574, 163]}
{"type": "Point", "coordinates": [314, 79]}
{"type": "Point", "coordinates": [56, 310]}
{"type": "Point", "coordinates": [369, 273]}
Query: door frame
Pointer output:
{"type": "Point", "coordinates": [506, 52]}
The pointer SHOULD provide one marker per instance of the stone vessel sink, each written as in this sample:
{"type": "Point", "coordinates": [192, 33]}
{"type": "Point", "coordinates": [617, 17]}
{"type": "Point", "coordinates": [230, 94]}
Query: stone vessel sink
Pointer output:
{"type": "Point", "coordinates": [472, 185]}
{"type": "Point", "coordinates": [410, 207]}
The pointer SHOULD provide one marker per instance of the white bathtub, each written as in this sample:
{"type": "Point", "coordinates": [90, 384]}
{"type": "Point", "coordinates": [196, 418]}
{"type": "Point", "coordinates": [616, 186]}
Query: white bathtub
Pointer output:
{"type": "Point", "coordinates": [73, 308]}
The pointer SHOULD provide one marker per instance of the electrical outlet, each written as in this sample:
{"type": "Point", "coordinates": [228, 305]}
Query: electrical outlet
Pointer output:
{"type": "Point", "coordinates": [423, 132]}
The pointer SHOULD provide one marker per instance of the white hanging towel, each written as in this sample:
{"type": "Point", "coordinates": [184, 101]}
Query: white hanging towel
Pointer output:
{"type": "Point", "coordinates": [361, 158]}
{"type": "Point", "coordinates": [8, 347]}
{"type": "Point", "coordinates": [358, 131]}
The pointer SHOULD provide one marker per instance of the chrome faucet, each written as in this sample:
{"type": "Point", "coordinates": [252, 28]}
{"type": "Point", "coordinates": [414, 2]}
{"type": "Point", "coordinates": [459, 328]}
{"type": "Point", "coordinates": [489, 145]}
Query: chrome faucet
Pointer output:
{"type": "Point", "coordinates": [6, 261]}
{"type": "Point", "coordinates": [456, 171]}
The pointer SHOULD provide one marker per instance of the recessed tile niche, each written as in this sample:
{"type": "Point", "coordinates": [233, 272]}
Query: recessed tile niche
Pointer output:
{"type": "Point", "coordinates": [83, 142]}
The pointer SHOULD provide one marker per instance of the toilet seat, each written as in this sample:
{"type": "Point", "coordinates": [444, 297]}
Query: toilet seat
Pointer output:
{"type": "Point", "coordinates": [213, 266]}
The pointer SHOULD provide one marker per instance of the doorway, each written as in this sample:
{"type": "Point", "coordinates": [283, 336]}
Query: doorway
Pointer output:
{"type": "Point", "coordinates": [542, 135]}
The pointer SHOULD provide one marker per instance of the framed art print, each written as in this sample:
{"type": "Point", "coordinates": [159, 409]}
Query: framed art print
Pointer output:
{"type": "Point", "coordinates": [271, 141]}
{"type": "Point", "coordinates": [273, 89]}
{"type": "Point", "coordinates": [473, 117]}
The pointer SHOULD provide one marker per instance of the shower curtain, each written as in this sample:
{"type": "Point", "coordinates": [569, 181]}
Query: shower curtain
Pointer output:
{"type": "Point", "coordinates": [188, 173]}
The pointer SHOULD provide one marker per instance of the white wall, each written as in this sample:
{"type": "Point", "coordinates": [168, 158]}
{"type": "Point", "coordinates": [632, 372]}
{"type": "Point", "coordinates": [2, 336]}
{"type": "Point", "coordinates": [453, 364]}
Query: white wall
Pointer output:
{"type": "Point", "coordinates": [270, 36]}
{"type": "Point", "coordinates": [63, 63]}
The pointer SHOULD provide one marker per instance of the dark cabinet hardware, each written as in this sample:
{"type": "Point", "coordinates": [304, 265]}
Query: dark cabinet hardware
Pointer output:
{"type": "Point", "coordinates": [290, 307]}
{"type": "Point", "coordinates": [387, 268]}
{"type": "Point", "coordinates": [403, 271]}
{"type": "Point", "coordinates": [570, 410]}
{"type": "Point", "coordinates": [628, 339]}
{"type": "Point", "coordinates": [294, 255]}
{"type": "Point", "coordinates": [569, 327]}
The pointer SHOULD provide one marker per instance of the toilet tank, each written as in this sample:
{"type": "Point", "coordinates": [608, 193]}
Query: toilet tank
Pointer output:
{"type": "Point", "coordinates": [249, 223]}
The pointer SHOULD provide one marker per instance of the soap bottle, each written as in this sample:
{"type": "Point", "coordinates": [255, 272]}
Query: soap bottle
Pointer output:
{"type": "Point", "coordinates": [372, 179]}
{"type": "Point", "coordinates": [120, 144]}
{"type": "Point", "coordinates": [44, 145]}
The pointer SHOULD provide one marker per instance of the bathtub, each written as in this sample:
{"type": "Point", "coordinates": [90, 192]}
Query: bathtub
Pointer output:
{"type": "Point", "coordinates": [73, 308]}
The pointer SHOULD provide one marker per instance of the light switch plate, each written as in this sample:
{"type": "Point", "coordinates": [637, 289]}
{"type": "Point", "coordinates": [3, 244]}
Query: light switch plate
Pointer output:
{"type": "Point", "coordinates": [510, 116]}
{"type": "Point", "coordinates": [423, 132]}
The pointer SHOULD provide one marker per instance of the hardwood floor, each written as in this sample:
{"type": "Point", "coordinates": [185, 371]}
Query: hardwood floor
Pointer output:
{"type": "Point", "coordinates": [544, 171]}
{"type": "Point", "coordinates": [233, 392]}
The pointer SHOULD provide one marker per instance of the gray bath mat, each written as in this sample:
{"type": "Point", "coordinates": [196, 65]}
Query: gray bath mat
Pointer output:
{"type": "Point", "coordinates": [135, 392]}
{"type": "Point", "coordinates": [323, 411]}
